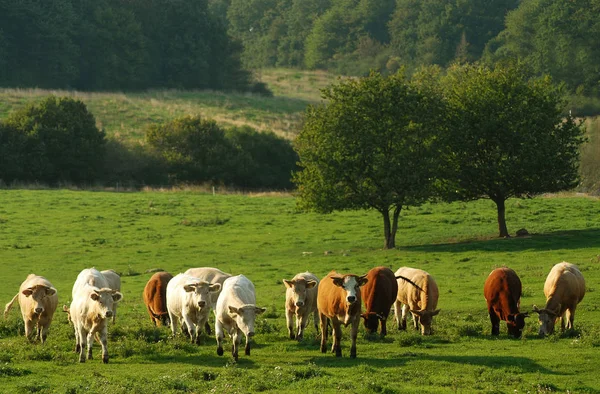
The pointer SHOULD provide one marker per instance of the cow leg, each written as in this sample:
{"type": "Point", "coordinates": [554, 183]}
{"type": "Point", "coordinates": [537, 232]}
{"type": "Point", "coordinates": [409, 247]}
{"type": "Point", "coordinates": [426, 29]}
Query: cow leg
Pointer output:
{"type": "Point", "coordinates": [152, 316]}
{"type": "Point", "coordinates": [44, 332]}
{"type": "Point", "coordinates": [104, 343]}
{"type": "Point", "coordinates": [398, 314]}
{"type": "Point", "coordinates": [289, 320]}
{"type": "Point", "coordinates": [301, 325]}
{"type": "Point", "coordinates": [114, 316]}
{"type": "Point", "coordinates": [405, 310]}
{"type": "Point", "coordinates": [247, 348]}
{"type": "Point", "coordinates": [316, 320]}
{"type": "Point", "coordinates": [207, 328]}
{"type": "Point", "coordinates": [83, 337]}
{"type": "Point", "coordinates": [337, 339]}
{"type": "Point", "coordinates": [90, 342]}
{"type": "Point", "coordinates": [29, 329]}
{"type": "Point", "coordinates": [495, 320]}
{"type": "Point", "coordinates": [235, 339]}
{"type": "Point", "coordinates": [174, 321]}
{"type": "Point", "coordinates": [191, 328]}
{"type": "Point", "coordinates": [570, 318]}
{"type": "Point", "coordinates": [219, 336]}
{"type": "Point", "coordinates": [77, 339]}
{"type": "Point", "coordinates": [383, 327]}
{"type": "Point", "coordinates": [353, 335]}
{"type": "Point", "coordinates": [323, 321]}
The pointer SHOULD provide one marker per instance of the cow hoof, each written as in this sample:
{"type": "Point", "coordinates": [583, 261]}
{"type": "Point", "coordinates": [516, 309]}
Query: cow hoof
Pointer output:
{"type": "Point", "coordinates": [235, 357]}
{"type": "Point", "coordinates": [77, 349]}
{"type": "Point", "coordinates": [105, 360]}
{"type": "Point", "coordinates": [323, 349]}
{"type": "Point", "coordinates": [292, 336]}
{"type": "Point", "coordinates": [82, 360]}
{"type": "Point", "coordinates": [338, 354]}
{"type": "Point", "coordinates": [220, 351]}
{"type": "Point", "coordinates": [247, 352]}
{"type": "Point", "coordinates": [353, 355]}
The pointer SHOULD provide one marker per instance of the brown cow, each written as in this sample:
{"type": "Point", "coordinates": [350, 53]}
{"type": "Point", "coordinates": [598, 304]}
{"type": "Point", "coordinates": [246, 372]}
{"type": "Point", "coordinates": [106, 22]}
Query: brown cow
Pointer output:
{"type": "Point", "coordinates": [420, 298]}
{"type": "Point", "coordinates": [301, 300]}
{"type": "Point", "coordinates": [155, 298]}
{"type": "Point", "coordinates": [379, 295]}
{"type": "Point", "coordinates": [564, 289]}
{"type": "Point", "coordinates": [339, 300]}
{"type": "Point", "coordinates": [38, 300]}
{"type": "Point", "coordinates": [502, 291]}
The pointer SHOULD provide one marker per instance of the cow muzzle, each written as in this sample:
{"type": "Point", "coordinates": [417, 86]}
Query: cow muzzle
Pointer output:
{"type": "Point", "coordinates": [351, 299]}
{"type": "Point", "coordinates": [201, 304]}
{"type": "Point", "coordinates": [38, 310]}
{"type": "Point", "coordinates": [109, 313]}
{"type": "Point", "coordinates": [250, 334]}
{"type": "Point", "coordinates": [299, 303]}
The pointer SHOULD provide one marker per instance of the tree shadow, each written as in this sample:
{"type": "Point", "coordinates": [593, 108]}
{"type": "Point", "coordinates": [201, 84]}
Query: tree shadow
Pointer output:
{"type": "Point", "coordinates": [523, 364]}
{"type": "Point", "coordinates": [572, 239]}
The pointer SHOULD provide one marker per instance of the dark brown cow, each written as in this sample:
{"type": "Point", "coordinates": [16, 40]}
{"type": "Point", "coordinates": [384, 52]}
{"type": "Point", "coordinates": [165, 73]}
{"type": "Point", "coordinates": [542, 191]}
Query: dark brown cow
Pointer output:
{"type": "Point", "coordinates": [502, 291]}
{"type": "Point", "coordinates": [155, 298]}
{"type": "Point", "coordinates": [379, 295]}
{"type": "Point", "coordinates": [339, 300]}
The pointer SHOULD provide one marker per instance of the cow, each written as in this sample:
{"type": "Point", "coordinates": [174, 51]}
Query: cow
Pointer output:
{"type": "Point", "coordinates": [155, 298]}
{"type": "Point", "coordinates": [210, 275]}
{"type": "Point", "coordinates": [379, 295]}
{"type": "Point", "coordinates": [420, 298]}
{"type": "Point", "coordinates": [236, 313]}
{"type": "Point", "coordinates": [114, 283]}
{"type": "Point", "coordinates": [93, 303]}
{"type": "Point", "coordinates": [301, 300]}
{"type": "Point", "coordinates": [339, 300]}
{"type": "Point", "coordinates": [38, 300]}
{"type": "Point", "coordinates": [188, 303]}
{"type": "Point", "coordinates": [502, 291]}
{"type": "Point", "coordinates": [564, 289]}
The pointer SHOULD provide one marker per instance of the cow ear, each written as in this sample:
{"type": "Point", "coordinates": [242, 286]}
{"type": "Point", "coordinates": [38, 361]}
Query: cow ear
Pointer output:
{"type": "Point", "coordinates": [95, 296]}
{"type": "Point", "coordinates": [362, 280]}
{"type": "Point", "coordinates": [310, 284]}
{"type": "Point", "coordinates": [117, 296]}
{"type": "Point", "coordinates": [259, 311]}
{"type": "Point", "coordinates": [27, 292]}
{"type": "Point", "coordinates": [215, 287]}
{"type": "Point", "coordinates": [338, 281]}
{"type": "Point", "coordinates": [434, 313]}
{"type": "Point", "coordinates": [233, 310]}
{"type": "Point", "coordinates": [288, 283]}
{"type": "Point", "coordinates": [189, 288]}
{"type": "Point", "coordinates": [50, 291]}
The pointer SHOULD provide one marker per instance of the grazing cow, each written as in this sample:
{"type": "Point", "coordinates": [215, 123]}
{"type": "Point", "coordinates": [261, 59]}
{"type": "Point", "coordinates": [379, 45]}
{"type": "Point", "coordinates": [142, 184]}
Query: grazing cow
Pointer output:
{"type": "Point", "coordinates": [379, 295]}
{"type": "Point", "coordinates": [339, 300]}
{"type": "Point", "coordinates": [155, 298]}
{"type": "Point", "coordinates": [502, 291]}
{"type": "Point", "coordinates": [188, 303]}
{"type": "Point", "coordinates": [38, 300]}
{"type": "Point", "coordinates": [210, 275]}
{"type": "Point", "coordinates": [421, 299]}
{"type": "Point", "coordinates": [114, 283]}
{"type": "Point", "coordinates": [564, 289]}
{"type": "Point", "coordinates": [301, 300]}
{"type": "Point", "coordinates": [93, 303]}
{"type": "Point", "coordinates": [235, 313]}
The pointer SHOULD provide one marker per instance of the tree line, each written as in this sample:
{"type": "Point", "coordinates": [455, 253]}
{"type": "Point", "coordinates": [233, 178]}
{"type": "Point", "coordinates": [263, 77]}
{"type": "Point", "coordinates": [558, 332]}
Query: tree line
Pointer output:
{"type": "Point", "coordinates": [56, 141]}
{"type": "Point", "coordinates": [351, 37]}
{"type": "Point", "coordinates": [105, 45]}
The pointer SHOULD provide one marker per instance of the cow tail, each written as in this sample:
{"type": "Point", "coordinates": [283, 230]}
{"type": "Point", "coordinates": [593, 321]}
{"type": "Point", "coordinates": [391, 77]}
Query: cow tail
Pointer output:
{"type": "Point", "coordinates": [9, 306]}
{"type": "Point", "coordinates": [409, 281]}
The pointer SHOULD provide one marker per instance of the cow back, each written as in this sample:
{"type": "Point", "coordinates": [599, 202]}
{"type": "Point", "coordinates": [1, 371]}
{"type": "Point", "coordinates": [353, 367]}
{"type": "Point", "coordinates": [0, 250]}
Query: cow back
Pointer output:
{"type": "Point", "coordinates": [502, 291]}
{"type": "Point", "coordinates": [380, 292]}
{"type": "Point", "coordinates": [564, 285]}
{"type": "Point", "coordinates": [155, 292]}
{"type": "Point", "coordinates": [210, 275]}
{"type": "Point", "coordinates": [89, 277]}
{"type": "Point", "coordinates": [424, 299]}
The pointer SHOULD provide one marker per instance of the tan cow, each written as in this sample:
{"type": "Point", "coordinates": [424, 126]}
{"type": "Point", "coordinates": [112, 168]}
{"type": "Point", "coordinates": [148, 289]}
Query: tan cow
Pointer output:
{"type": "Point", "coordinates": [38, 300]}
{"type": "Point", "coordinates": [114, 283]}
{"type": "Point", "coordinates": [564, 289]}
{"type": "Point", "coordinates": [301, 300]}
{"type": "Point", "coordinates": [93, 303]}
{"type": "Point", "coordinates": [421, 300]}
{"type": "Point", "coordinates": [339, 300]}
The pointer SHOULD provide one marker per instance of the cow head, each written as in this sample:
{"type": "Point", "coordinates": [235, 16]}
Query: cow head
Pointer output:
{"type": "Point", "coordinates": [515, 324]}
{"type": "Point", "coordinates": [371, 321]}
{"type": "Point", "coordinates": [38, 294]}
{"type": "Point", "coordinates": [198, 293]}
{"type": "Point", "coordinates": [105, 300]}
{"type": "Point", "coordinates": [425, 319]}
{"type": "Point", "coordinates": [245, 316]}
{"type": "Point", "coordinates": [299, 287]}
{"type": "Point", "coordinates": [351, 284]}
{"type": "Point", "coordinates": [547, 319]}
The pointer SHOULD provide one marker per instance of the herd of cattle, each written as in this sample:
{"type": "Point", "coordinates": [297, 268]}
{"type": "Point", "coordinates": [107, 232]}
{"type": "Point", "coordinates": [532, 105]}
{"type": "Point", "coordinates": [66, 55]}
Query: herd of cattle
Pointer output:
{"type": "Point", "coordinates": [185, 300]}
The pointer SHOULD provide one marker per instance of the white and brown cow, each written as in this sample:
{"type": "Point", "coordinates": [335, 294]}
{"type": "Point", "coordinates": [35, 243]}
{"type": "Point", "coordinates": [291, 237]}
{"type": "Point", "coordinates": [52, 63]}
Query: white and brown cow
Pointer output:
{"type": "Point", "coordinates": [93, 303]}
{"type": "Point", "coordinates": [38, 300]}
{"type": "Point", "coordinates": [236, 313]}
{"type": "Point", "coordinates": [301, 300]}
{"type": "Point", "coordinates": [114, 283]}
{"type": "Point", "coordinates": [339, 300]}
{"type": "Point", "coordinates": [564, 289]}
{"type": "Point", "coordinates": [210, 275]}
{"type": "Point", "coordinates": [421, 300]}
{"type": "Point", "coordinates": [189, 303]}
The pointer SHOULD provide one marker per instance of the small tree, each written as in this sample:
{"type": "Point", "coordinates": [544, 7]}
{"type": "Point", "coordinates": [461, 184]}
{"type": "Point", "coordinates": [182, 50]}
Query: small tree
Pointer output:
{"type": "Point", "coordinates": [508, 136]}
{"type": "Point", "coordinates": [372, 145]}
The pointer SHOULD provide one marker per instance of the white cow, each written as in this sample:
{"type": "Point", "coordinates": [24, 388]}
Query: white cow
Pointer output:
{"type": "Point", "coordinates": [93, 303]}
{"type": "Point", "coordinates": [189, 302]}
{"type": "Point", "coordinates": [301, 300]}
{"type": "Point", "coordinates": [210, 275]}
{"type": "Point", "coordinates": [38, 300]}
{"type": "Point", "coordinates": [235, 313]}
{"type": "Point", "coordinates": [114, 283]}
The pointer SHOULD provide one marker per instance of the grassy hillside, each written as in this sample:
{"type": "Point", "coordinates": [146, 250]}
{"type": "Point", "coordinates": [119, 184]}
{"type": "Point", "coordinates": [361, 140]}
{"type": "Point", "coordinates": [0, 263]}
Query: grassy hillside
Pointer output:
{"type": "Point", "coordinates": [58, 233]}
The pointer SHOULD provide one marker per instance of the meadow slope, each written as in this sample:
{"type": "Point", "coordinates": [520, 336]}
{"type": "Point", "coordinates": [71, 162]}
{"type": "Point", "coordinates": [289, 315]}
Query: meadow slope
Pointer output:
{"type": "Point", "coordinates": [57, 233]}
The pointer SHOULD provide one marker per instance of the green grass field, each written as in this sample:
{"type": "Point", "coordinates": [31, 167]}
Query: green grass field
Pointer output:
{"type": "Point", "coordinates": [57, 233]}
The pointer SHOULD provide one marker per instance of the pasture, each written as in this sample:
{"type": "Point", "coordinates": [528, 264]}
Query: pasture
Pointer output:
{"type": "Point", "coordinates": [57, 233]}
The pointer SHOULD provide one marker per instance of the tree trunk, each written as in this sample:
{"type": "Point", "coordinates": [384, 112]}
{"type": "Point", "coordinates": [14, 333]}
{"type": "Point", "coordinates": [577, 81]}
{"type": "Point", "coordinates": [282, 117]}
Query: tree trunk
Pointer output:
{"type": "Point", "coordinates": [502, 217]}
{"type": "Point", "coordinates": [390, 227]}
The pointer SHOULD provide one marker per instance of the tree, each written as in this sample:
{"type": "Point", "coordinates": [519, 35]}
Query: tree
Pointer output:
{"type": "Point", "coordinates": [371, 146]}
{"type": "Point", "coordinates": [508, 136]}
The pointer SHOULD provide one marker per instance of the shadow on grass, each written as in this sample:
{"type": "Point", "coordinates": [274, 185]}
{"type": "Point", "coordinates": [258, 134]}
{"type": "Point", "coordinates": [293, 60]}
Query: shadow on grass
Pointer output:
{"type": "Point", "coordinates": [573, 239]}
{"type": "Point", "coordinates": [211, 360]}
